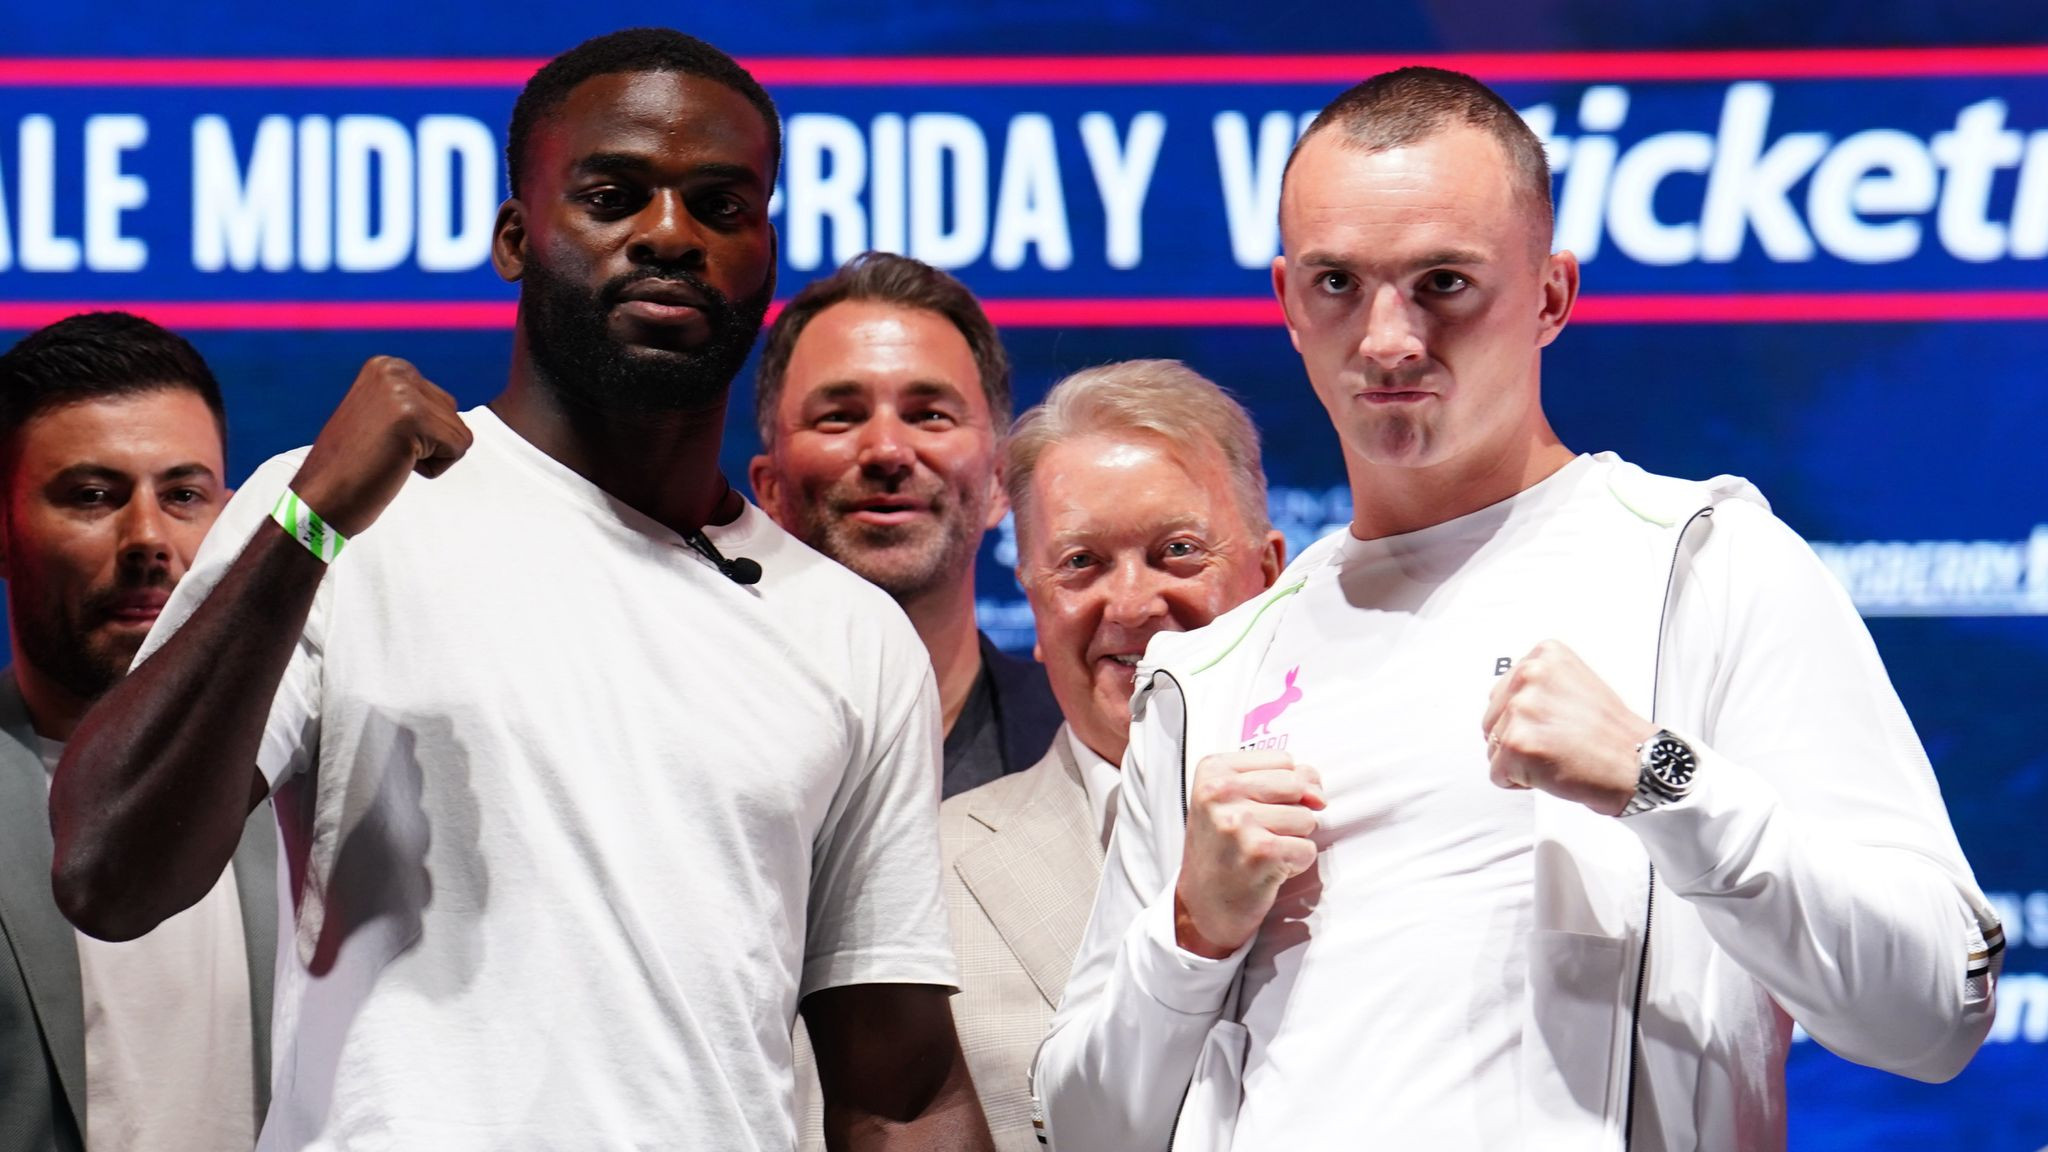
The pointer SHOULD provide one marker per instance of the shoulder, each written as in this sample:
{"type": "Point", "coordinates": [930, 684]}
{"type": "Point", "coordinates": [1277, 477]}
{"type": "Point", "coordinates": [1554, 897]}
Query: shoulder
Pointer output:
{"type": "Point", "coordinates": [821, 606]}
{"type": "Point", "coordinates": [1668, 501]}
{"type": "Point", "coordinates": [971, 813]}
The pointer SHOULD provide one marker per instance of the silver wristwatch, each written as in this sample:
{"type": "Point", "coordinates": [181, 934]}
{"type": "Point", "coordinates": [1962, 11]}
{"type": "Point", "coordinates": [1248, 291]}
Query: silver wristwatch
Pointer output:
{"type": "Point", "coordinates": [1665, 767]}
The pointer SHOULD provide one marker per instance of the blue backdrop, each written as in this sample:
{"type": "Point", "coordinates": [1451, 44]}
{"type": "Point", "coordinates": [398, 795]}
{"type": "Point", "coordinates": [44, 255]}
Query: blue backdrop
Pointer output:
{"type": "Point", "coordinates": [1815, 242]}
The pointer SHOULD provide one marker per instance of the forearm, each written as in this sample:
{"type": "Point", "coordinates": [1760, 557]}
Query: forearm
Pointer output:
{"type": "Point", "coordinates": [1116, 1066]}
{"type": "Point", "coordinates": [151, 796]}
{"type": "Point", "coordinates": [1869, 946]}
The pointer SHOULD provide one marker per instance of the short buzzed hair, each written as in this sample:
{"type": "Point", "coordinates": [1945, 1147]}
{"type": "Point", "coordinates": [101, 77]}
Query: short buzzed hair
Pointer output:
{"type": "Point", "coordinates": [628, 50]}
{"type": "Point", "coordinates": [884, 278]}
{"type": "Point", "coordinates": [1165, 399]}
{"type": "Point", "coordinates": [1409, 105]}
{"type": "Point", "coordinates": [98, 356]}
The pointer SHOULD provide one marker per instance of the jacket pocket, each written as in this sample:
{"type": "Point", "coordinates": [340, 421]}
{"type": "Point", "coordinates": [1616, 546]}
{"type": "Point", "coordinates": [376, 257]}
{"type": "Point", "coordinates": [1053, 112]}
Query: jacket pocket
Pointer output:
{"type": "Point", "coordinates": [1208, 1116]}
{"type": "Point", "coordinates": [1570, 1029]}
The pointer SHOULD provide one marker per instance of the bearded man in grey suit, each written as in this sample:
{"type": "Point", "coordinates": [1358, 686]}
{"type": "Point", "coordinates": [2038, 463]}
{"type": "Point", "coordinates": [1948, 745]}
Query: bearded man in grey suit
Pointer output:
{"type": "Point", "coordinates": [112, 441]}
{"type": "Point", "coordinates": [1141, 508]}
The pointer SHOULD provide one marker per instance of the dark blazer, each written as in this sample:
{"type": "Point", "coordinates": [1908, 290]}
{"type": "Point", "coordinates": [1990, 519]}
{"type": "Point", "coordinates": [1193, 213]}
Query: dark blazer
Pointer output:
{"type": "Point", "coordinates": [42, 1018]}
{"type": "Point", "coordinates": [1027, 716]}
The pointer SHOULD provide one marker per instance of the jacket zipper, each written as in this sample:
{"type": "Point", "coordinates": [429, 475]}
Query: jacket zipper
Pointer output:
{"type": "Point", "coordinates": [1174, 1132]}
{"type": "Point", "coordinates": [1635, 1021]}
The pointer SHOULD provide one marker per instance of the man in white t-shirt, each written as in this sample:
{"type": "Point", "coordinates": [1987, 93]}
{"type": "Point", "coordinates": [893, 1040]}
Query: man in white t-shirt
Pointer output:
{"type": "Point", "coordinates": [589, 777]}
{"type": "Point", "coordinates": [1533, 810]}
{"type": "Point", "coordinates": [112, 441]}
{"type": "Point", "coordinates": [1141, 509]}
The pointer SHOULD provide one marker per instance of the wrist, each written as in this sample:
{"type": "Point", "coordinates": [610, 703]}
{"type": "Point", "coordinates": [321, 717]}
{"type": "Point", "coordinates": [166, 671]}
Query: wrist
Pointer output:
{"type": "Point", "coordinates": [1190, 938]}
{"type": "Point", "coordinates": [1666, 764]}
{"type": "Point", "coordinates": [300, 522]}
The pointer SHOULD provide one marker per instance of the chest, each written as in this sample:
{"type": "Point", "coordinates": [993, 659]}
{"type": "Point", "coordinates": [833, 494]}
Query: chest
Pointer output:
{"type": "Point", "coordinates": [597, 682]}
{"type": "Point", "coordinates": [1380, 673]}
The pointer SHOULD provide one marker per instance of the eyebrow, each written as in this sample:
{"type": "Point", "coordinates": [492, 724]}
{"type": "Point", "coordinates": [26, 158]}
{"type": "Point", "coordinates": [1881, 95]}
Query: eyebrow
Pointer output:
{"type": "Point", "coordinates": [90, 470]}
{"type": "Point", "coordinates": [1317, 258]}
{"type": "Point", "coordinates": [1181, 523]}
{"type": "Point", "coordinates": [633, 164]}
{"type": "Point", "coordinates": [921, 389]}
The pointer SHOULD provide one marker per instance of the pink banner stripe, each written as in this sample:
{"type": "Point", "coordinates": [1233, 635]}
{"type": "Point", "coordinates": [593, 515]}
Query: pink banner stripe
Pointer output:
{"type": "Point", "coordinates": [1114, 71]}
{"type": "Point", "coordinates": [1228, 312]}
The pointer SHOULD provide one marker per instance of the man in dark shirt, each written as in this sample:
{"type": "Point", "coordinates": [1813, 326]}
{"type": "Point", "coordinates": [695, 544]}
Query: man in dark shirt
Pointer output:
{"type": "Point", "coordinates": [882, 398]}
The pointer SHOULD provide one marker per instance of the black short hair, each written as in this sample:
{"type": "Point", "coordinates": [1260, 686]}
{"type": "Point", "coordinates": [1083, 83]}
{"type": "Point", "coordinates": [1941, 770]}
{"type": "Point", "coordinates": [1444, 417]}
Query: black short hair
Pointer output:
{"type": "Point", "coordinates": [884, 278]}
{"type": "Point", "coordinates": [628, 50]}
{"type": "Point", "coordinates": [92, 356]}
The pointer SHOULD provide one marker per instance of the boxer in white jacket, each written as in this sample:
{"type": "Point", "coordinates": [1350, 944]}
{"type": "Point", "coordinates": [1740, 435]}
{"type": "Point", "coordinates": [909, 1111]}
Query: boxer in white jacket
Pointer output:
{"type": "Point", "coordinates": [1533, 810]}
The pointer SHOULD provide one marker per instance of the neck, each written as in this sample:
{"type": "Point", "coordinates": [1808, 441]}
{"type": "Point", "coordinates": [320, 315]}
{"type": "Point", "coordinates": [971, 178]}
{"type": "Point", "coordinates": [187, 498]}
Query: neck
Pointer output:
{"type": "Point", "coordinates": [1112, 755]}
{"type": "Point", "coordinates": [1391, 500]}
{"type": "Point", "coordinates": [53, 710]}
{"type": "Point", "coordinates": [944, 619]}
{"type": "Point", "coordinates": [664, 465]}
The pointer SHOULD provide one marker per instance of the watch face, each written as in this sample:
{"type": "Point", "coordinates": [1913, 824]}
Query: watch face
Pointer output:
{"type": "Point", "coordinates": [1671, 763]}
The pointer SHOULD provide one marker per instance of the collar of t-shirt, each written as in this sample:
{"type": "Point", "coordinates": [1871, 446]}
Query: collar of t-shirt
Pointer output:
{"type": "Point", "coordinates": [1497, 524]}
{"type": "Point", "coordinates": [1099, 779]}
{"type": "Point", "coordinates": [550, 474]}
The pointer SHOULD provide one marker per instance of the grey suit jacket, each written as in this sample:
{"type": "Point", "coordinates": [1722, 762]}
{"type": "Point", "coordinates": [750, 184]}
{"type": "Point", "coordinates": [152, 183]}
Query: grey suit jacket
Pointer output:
{"type": "Point", "coordinates": [42, 1021]}
{"type": "Point", "coordinates": [1022, 864]}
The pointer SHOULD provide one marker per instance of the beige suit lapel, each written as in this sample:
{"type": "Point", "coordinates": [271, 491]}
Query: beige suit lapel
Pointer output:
{"type": "Point", "coordinates": [1036, 876]}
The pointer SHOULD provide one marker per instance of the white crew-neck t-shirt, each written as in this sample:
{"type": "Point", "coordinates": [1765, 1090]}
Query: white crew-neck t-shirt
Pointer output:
{"type": "Point", "coordinates": [571, 821]}
{"type": "Point", "coordinates": [169, 1044]}
{"type": "Point", "coordinates": [1384, 994]}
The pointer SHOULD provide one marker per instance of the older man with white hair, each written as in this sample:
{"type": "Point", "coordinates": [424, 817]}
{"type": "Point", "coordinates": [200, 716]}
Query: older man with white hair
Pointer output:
{"type": "Point", "coordinates": [1141, 508]}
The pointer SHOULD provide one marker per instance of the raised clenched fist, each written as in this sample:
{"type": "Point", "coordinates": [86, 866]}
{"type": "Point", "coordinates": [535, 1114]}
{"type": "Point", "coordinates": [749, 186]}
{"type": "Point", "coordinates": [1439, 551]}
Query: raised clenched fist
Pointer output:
{"type": "Point", "coordinates": [1250, 819]}
{"type": "Point", "coordinates": [1554, 725]}
{"type": "Point", "coordinates": [393, 422]}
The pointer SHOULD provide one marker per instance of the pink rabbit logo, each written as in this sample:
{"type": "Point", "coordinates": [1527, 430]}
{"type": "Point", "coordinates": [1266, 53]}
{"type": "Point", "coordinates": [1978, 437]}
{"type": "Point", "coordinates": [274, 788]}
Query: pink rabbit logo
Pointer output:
{"type": "Point", "coordinates": [1260, 719]}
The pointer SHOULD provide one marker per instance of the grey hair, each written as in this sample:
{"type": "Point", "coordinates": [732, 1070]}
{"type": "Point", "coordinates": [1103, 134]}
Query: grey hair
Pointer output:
{"type": "Point", "coordinates": [1163, 398]}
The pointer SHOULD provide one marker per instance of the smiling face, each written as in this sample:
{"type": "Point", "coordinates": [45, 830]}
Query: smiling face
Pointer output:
{"type": "Point", "coordinates": [107, 501]}
{"type": "Point", "coordinates": [1419, 289]}
{"type": "Point", "coordinates": [1124, 537]}
{"type": "Point", "coordinates": [884, 454]}
{"type": "Point", "coordinates": [642, 241]}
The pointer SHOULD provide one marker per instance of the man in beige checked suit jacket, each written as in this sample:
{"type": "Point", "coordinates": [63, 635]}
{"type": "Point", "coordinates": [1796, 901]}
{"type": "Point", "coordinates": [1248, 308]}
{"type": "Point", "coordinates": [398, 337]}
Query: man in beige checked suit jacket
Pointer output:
{"type": "Point", "coordinates": [1141, 508]}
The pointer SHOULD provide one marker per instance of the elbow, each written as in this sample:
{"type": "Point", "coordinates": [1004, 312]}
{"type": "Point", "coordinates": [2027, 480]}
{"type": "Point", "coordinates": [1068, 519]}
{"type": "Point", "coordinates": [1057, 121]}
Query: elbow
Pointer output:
{"type": "Point", "coordinates": [1935, 1052]}
{"type": "Point", "coordinates": [1946, 1060]}
{"type": "Point", "coordinates": [96, 903]}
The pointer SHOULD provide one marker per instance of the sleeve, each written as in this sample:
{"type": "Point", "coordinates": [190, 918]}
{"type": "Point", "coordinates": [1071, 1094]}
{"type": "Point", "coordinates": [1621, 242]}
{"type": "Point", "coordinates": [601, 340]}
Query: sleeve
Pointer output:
{"type": "Point", "coordinates": [877, 912]}
{"type": "Point", "coordinates": [291, 734]}
{"type": "Point", "coordinates": [1124, 1043]}
{"type": "Point", "coordinates": [1815, 844]}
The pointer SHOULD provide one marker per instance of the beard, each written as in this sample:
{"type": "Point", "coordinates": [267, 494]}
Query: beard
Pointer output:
{"type": "Point", "coordinates": [65, 648]}
{"type": "Point", "coordinates": [568, 329]}
{"type": "Point", "coordinates": [904, 560]}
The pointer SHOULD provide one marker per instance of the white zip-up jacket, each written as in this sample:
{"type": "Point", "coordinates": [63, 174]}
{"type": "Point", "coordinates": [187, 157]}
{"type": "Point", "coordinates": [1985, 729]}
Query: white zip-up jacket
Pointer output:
{"type": "Point", "coordinates": [1811, 874]}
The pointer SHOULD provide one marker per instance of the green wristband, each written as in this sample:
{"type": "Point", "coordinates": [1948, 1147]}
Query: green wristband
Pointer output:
{"type": "Point", "coordinates": [305, 525]}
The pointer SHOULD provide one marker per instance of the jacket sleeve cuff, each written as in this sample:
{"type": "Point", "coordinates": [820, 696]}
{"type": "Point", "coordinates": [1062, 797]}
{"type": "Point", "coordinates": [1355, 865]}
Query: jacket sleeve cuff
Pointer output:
{"type": "Point", "coordinates": [1172, 976]}
{"type": "Point", "coordinates": [1706, 842]}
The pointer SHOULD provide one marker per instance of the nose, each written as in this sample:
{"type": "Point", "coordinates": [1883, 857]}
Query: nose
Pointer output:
{"type": "Point", "coordinates": [144, 540]}
{"type": "Point", "coordinates": [885, 445]}
{"type": "Point", "coordinates": [1135, 594]}
{"type": "Point", "coordinates": [1393, 333]}
{"type": "Point", "coordinates": [664, 232]}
